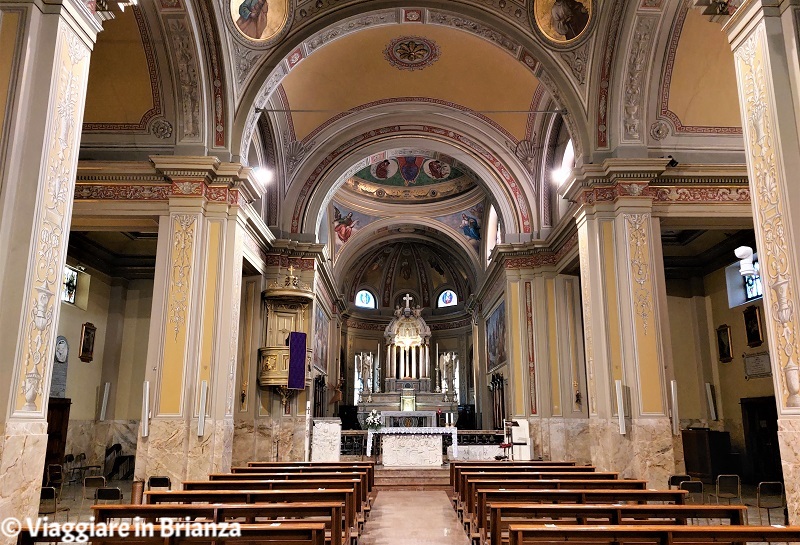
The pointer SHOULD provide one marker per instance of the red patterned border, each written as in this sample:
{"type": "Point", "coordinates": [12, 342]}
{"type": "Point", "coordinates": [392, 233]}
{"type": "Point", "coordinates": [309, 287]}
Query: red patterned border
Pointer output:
{"type": "Point", "coordinates": [609, 50]}
{"type": "Point", "coordinates": [669, 65]}
{"type": "Point", "coordinates": [531, 360]}
{"type": "Point", "coordinates": [122, 192]}
{"type": "Point", "coordinates": [521, 207]}
{"type": "Point", "coordinates": [155, 89]}
{"type": "Point", "coordinates": [541, 259]}
{"type": "Point", "coordinates": [695, 194]}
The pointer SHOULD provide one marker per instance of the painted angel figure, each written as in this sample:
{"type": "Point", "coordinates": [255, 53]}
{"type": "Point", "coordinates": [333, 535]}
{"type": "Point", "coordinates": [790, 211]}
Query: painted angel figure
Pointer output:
{"type": "Point", "coordinates": [343, 225]}
{"type": "Point", "coordinates": [253, 18]}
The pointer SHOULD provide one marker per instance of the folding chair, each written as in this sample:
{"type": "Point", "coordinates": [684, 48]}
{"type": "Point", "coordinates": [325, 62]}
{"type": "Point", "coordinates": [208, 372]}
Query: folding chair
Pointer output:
{"type": "Point", "coordinates": [108, 494]}
{"type": "Point", "coordinates": [695, 490]}
{"type": "Point", "coordinates": [90, 486]}
{"type": "Point", "coordinates": [676, 480]}
{"type": "Point", "coordinates": [48, 502]}
{"type": "Point", "coordinates": [769, 496]}
{"type": "Point", "coordinates": [55, 477]}
{"type": "Point", "coordinates": [729, 487]}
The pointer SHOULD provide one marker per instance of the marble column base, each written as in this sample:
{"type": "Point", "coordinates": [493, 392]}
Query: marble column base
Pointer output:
{"type": "Point", "coordinates": [173, 449]}
{"type": "Point", "coordinates": [268, 440]}
{"type": "Point", "coordinates": [789, 442]}
{"type": "Point", "coordinates": [23, 446]}
{"type": "Point", "coordinates": [644, 452]}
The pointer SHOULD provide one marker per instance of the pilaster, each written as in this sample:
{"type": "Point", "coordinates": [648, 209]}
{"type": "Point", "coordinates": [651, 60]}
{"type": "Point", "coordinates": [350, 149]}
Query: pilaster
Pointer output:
{"type": "Point", "coordinates": [623, 288]}
{"type": "Point", "coordinates": [41, 112]}
{"type": "Point", "coordinates": [765, 43]}
{"type": "Point", "coordinates": [194, 332]}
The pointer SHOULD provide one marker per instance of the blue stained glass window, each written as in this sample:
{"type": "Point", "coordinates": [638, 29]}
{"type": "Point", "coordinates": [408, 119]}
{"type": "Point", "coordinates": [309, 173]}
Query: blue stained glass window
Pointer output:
{"type": "Point", "coordinates": [752, 284]}
{"type": "Point", "coordinates": [448, 298]}
{"type": "Point", "coordinates": [365, 299]}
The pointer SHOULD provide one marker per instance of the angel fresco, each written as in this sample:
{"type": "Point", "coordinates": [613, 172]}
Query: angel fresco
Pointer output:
{"type": "Point", "coordinates": [343, 225]}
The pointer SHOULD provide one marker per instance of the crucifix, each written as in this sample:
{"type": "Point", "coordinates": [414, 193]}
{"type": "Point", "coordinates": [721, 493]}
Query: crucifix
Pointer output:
{"type": "Point", "coordinates": [291, 270]}
{"type": "Point", "coordinates": [407, 299]}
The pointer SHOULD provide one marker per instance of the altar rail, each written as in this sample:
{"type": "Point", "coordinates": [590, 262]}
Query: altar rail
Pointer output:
{"type": "Point", "coordinates": [354, 442]}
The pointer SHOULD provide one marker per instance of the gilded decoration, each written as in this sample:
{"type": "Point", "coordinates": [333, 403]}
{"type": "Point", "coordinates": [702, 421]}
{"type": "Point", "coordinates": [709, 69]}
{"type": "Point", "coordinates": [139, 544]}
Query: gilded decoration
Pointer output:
{"type": "Point", "coordinates": [411, 52]}
{"type": "Point", "coordinates": [182, 250]}
{"type": "Point", "coordinates": [640, 269]}
{"type": "Point", "coordinates": [53, 215]}
{"type": "Point", "coordinates": [776, 256]}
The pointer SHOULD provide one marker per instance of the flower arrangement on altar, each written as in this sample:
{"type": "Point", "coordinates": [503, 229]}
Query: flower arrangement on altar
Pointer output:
{"type": "Point", "coordinates": [373, 420]}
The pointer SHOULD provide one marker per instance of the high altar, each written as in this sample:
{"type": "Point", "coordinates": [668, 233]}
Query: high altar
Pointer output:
{"type": "Point", "coordinates": [418, 402]}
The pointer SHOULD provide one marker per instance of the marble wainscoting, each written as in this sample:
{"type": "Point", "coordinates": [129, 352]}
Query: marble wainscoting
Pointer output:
{"type": "Point", "coordinates": [163, 452]}
{"type": "Point", "coordinates": [269, 440]}
{"type": "Point", "coordinates": [561, 439]}
{"type": "Point", "coordinates": [210, 453]}
{"type": "Point", "coordinates": [80, 438]}
{"type": "Point", "coordinates": [22, 451]}
{"type": "Point", "coordinates": [92, 437]}
{"type": "Point", "coordinates": [644, 452]}
{"type": "Point", "coordinates": [539, 430]}
{"type": "Point", "coordinates": [789, 441]}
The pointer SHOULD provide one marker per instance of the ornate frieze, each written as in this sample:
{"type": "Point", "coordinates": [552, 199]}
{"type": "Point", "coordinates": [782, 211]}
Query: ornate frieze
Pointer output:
{"type": "Point", "coordinates": [638, 244]}
{"type": "Point", "coordinates": [184, 58]}
{"type": "Point", "coordinates": [183, 233]}
{"type": "Point", "coordinates": [577, 60]}
{"type": "Point", "coordinates": [541, 258]}
{"type": "Point", "coordinates": [636, 70]}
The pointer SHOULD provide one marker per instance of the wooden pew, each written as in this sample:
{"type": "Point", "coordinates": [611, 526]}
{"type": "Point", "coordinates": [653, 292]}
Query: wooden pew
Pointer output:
{"type": "Point", "coordinates": [284, 484]}
{"type": "Point", "coordinates": [497, 469]}
{"type": "Point", "coordinates": [465, 476]}
{"type": "Point", "coordinates": [330, 511]}
{"type": "Point", "coordinates": [276, 533]}
{"type": "Point", "coordinates": [266, 474]}
{"type": "Point", "coordinates": [486, 497]}
{"type": "Point", "coordinates": [311, 466]}
{"type": "Point", "coordinates": [502, 514]}
{"type": "Point", "coordinates": [522, 534]}
{"type": "Point", "coordinates": [467, 463]}
{"type": "Point", "coordinates": [541, 484]}
{"type": "Point", "coordinates": [345, 496]}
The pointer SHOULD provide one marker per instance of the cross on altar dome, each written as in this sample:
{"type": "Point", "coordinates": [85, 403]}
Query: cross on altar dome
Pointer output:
{"type": "Point", "coordinates": [407, 299]}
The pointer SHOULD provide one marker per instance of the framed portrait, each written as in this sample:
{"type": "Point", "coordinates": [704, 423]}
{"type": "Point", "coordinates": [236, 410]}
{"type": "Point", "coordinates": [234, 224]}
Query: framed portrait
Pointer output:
{"type": "Point", "coordinates": [496, 336]}
{"type": "Point", "coordinates": [88, 332]}
{"type": "Point", "coordinates": [724, 343]}
{"type": "Point", "coordinates": [752, 326]}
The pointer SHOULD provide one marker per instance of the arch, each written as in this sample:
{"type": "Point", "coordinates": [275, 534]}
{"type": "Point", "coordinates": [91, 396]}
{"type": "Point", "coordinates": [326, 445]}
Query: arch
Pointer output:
{"type": "Point", "coordinates": [505, 179]}
{"type": "Point", "coordinates": [531, 54]}
{"type": "Point", "coordinates": [444, 292]}
{"type": "Point", "coordinates": [365, 299]}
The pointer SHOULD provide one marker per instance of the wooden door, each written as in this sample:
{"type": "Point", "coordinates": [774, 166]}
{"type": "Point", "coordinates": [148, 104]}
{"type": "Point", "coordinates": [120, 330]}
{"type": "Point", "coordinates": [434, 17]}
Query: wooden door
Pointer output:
{"type": "Point", "coordinates": [760, 421]}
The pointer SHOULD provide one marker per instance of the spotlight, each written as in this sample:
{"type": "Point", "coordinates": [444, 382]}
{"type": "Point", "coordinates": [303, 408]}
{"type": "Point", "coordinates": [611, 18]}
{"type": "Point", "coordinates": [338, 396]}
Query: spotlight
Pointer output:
{"type": "Point", "coordinates": [745, 256]}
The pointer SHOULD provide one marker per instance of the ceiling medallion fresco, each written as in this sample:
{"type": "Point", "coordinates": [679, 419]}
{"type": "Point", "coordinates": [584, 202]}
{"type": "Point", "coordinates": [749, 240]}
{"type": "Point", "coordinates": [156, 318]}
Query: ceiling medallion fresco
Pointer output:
{"type": "Point", "coordinates": [411, 52]}
{"type": "Point", "coordinates": [562, 21]}
{"type": "Point", "coordinates": [409, 178]}
{"type": "Point", "coordinates": [260, 20]}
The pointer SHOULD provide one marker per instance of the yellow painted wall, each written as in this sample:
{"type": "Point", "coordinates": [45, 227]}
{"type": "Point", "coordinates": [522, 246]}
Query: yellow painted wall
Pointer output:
{"type": "Point", "coordinates": [353, 71]}
{"type": "Point", "coordinates": [83, 379]}
{"type": "Point", "coordinates": [552, 345]}
{"type": "Point", "coordinates": [703, 88]}
{"type": "Point", "coordinates": [9, 27]}
{"type": "Point", "coordinates": [732, 384]}
{"type": "Point", "coordinates": [119, 88]}
{"type": "Point", "coordinates": [686, 347]}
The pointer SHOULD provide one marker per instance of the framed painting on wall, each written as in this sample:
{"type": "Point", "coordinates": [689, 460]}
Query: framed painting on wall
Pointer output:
{"type": "Point", "coordinates": [724, 343]}
{"type": "Point", "coordinates": [88, 332]}
{"type": "Point", "coordinates": [496, 336]}
{"type": "Point", "coordinates": [752, 326]}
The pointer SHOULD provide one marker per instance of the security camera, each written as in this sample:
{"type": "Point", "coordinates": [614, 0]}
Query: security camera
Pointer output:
{"type": "Point", "coordinates": [745, 256]}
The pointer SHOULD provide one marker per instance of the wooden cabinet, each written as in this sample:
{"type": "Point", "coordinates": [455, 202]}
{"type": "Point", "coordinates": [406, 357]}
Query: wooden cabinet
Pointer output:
{"type": "Point", "coordinates": [706, 453]}
{"type": "Point", "coordinates": [57, 424]}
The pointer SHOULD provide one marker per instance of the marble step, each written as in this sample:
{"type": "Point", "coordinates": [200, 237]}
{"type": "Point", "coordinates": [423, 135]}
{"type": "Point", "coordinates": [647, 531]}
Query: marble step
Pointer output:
{"type": "Point", "coordinates": [412, 479]}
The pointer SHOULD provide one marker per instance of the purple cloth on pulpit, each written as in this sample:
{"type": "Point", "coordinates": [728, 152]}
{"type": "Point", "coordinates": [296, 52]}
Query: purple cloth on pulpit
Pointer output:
{"type": "Point", "coordinates": [297, 360]}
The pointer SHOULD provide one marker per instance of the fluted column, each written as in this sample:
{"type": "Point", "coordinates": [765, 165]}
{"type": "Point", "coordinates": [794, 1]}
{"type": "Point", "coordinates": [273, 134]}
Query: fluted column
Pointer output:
{"type": "Point", "coordinates": [44, 69]}
{"type": "Point", "coordinates": [765, 43]}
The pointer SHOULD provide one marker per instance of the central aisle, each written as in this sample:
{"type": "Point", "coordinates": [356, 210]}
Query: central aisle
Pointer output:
{"type": "Point", "coordinates": [410, 517]}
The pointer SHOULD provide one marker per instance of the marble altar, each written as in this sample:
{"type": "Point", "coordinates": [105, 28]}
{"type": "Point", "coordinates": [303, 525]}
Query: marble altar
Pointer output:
{"type": "Point", "coordinates": [412, 447]}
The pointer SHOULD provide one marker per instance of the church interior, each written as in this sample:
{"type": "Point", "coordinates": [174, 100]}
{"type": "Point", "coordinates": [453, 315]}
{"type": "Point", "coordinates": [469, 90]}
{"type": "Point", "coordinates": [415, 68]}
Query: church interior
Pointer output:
{"type": "Point", "coordinates": [395, 234]}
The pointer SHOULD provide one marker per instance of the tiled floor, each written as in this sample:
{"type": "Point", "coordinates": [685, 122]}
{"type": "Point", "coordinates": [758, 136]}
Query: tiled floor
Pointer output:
{"type": "Point", "coordinates": [81, 510]}
{"type": "Point", "coordinates": [411, 518]}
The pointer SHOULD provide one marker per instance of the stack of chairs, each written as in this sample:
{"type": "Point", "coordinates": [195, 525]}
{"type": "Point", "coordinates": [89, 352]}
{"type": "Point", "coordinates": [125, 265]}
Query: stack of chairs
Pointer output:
{"type": "Point", "coordinates": [535, 502]}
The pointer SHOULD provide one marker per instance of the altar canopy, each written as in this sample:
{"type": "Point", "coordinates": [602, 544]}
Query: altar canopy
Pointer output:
{"type": "Point", "coordinates": [408, 347]}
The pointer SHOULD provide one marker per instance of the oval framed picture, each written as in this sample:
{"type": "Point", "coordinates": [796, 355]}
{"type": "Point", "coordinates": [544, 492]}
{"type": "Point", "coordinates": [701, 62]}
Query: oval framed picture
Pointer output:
{"type": "Point", "coordinates": [260, 20]}
{"type": "Point", "coordinates": [563, 23]}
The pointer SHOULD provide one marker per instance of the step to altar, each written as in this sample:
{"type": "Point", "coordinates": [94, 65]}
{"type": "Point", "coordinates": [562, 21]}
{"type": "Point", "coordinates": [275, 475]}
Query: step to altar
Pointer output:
{"type": "Point", "coordinates": [412, 478]}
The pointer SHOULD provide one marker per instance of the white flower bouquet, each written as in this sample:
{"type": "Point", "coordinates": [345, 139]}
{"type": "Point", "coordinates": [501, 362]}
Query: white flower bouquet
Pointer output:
{"type": "Point", "coordinates": [373, 420]}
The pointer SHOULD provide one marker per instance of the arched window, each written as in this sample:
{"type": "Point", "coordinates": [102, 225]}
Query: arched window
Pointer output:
{"type": "Point", "coordinates": [447, 298]}
{"type": "Point", "coordinates": [365, 299]}
{"type": "Point", "coordinates": [560, 174]}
